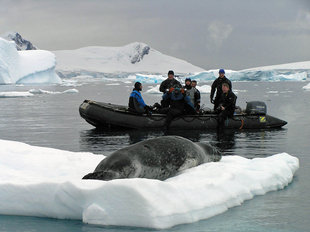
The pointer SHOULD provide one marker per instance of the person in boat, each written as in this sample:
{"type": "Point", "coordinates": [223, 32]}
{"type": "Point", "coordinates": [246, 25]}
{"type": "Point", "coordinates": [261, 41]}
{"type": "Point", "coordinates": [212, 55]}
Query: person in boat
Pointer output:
{"type": "Point", "coordinates": [136, 103]}
{"type": "Point", "coordinates": [166, 85]}
{"type": "Point", "coordinates": [192, 93]}
{"type": "Point", "coordinates": [227, 104]}
{"type": "Point", "coordinates": [217, 86]}
{"type": "Point", "coordinates": [180, 104]}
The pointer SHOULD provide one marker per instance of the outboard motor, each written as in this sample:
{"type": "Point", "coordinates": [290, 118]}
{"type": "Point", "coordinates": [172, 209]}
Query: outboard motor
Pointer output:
{"type": "Point", "coordinates": [256, 108]}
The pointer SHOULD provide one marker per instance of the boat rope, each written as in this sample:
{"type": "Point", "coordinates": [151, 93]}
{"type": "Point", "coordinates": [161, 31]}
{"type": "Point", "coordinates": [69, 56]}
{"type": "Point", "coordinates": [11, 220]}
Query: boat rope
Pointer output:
{"type": "Point", "coordinates": [192, 119]}
{"type": "Point", "coordinates": [153, 118]}
{"type": "Point", "coordinates": [242, 124]}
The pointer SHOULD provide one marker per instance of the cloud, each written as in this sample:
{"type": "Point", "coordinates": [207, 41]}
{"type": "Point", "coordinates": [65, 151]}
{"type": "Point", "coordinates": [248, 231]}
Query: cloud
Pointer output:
{"type": "Point", "coordinates": [218, 32]}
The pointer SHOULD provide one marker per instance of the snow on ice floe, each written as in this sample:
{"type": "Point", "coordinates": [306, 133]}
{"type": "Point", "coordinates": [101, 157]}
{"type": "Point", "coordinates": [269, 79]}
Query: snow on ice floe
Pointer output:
{"type": "Point", "coordinates": [32, 177]}
{"type": "Point", "coordinates": [32, 92]}
{"type": "Point", "coordinates": [26, 67]}
{"type": "Point", "coordinates": [306, 87]}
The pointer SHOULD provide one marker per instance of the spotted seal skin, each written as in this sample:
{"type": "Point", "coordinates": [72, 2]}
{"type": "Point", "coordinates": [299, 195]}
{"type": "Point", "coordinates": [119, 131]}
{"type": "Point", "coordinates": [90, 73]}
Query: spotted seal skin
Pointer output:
{"type": "Point", "coordinates": [158, 158]}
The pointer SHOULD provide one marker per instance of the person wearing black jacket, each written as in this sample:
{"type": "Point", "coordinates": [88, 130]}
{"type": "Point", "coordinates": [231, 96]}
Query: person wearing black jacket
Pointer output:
{"type": "Point", "coordinates": [227, 105]}
{"type": "Point", "coordinates": [169, 83]}
{"type": "Point", "coordinates": [166, 85]}
{"type": "Point", "coordinates": [217, 85]}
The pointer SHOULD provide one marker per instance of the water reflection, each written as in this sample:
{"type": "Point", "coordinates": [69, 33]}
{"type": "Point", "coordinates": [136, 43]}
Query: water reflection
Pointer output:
{"type": "Point", "coordinates": [250, 144]}
{"type": "Point", "coordinates": [225, 140]}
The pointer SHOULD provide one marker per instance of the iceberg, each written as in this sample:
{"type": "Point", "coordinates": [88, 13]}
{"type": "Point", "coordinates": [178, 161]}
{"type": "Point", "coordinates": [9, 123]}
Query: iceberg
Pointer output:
{"type": "Point", "coordinates": [255, 75]}
{"type": "Point", "coordinates": [306, 87]}
{"type": "Point", "coordinates": [26, 67]}
{"type": "Point", "coordinates": [32, 177]}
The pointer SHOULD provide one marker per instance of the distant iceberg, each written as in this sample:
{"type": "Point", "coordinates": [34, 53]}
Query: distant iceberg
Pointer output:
{"type": "Point", "coordinates": [26, 67]}
{"type": "Point", "coordinates": [45, 182]}
{"type": "Point", "coordinates": [255, 75]}
{"type": "Point", "coordinates": [306, 87]}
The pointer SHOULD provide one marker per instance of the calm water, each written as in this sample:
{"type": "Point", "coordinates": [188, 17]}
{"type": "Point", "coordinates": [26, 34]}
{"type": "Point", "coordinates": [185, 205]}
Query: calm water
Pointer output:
{"type": "Point", "coordinates": [54, 121]}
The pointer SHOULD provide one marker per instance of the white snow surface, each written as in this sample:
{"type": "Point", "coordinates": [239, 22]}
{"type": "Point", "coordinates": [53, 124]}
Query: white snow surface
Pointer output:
{"type": "Point", "coordinates": [26, 67]}
{"type": "Point", "coordinates": [45, 182]}
{"type": "Point", "coordinates": [306, 87]}
{"type": "Point", "coordinates": [134, 57]}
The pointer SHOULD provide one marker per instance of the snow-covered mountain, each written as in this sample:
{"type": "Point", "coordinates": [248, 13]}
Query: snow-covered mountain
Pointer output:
{"type": "Point", "coordinates": [134, 57]}
{"type": "Point", "coordinates": [21, 43]}
{"type": "Point", "coordinates": [33, 66]}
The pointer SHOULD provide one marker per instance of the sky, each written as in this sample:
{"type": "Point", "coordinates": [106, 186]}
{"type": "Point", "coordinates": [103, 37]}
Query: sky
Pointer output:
{"type": "Point", "coordinates": [230, 34]}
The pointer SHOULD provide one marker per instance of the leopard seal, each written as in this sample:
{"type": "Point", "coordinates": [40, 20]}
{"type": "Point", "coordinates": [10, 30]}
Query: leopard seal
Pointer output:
{"type": "Point", "coordinates": [158, 158]}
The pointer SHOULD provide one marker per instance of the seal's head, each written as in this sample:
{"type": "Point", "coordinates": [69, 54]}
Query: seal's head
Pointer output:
{"type": "Point", "coordinates": [113, 167]}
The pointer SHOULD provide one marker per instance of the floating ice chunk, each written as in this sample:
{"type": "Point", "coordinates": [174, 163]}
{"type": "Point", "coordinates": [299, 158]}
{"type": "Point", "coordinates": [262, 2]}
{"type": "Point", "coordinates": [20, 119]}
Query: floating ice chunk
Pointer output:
{"type": "Point", "coordinates": [273, 91]}
{"type": "Point", "coordinates": [204, 89]}
{"type": "Point", "coordinates": [42, 91]}
{"type": "Point", "coordinates": [113, 84]}
{"type": "Point", "coordinates": [32, 177]}
{"type": "Point", "coordinates": [154, 90]}
{"type": "Point", "coordinates": [33, 92]}
{"type": "Point", "coordinates": [14, 94]}
{"type": "Point", "coordinates": [306, 87]}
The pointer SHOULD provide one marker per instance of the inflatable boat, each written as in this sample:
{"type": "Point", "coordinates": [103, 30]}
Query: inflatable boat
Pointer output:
{"type": "Point", "coordinates": [107, 115]}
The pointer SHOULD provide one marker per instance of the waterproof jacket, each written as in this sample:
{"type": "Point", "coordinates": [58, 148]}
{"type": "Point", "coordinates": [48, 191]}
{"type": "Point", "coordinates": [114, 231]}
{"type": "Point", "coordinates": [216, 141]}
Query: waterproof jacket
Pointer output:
{"type": "Point", "coordinates": [136, 102]}
{"type": "Point", "coordinates": [228, 101]}
{"type": "Point", "coordinates": [217, 85]}
{"type": "Point", "coordinates": [178, 101]}
{"type": "Point", "coordinates": [167, 84]}
{"type": "Point", "coordinates": [193, 94]}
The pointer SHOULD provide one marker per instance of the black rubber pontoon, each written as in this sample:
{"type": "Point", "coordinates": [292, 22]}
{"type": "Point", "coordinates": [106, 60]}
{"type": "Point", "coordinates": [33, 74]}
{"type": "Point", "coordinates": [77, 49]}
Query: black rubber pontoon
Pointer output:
{"type": "Point", "coordinates": [108, 115]}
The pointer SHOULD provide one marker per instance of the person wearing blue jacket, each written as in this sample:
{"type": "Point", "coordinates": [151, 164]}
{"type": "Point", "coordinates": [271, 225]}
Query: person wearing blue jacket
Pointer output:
{"type": "Point", "coordinates": [180, 104]}
{"type": "Point", "coordinates": [136, 103]}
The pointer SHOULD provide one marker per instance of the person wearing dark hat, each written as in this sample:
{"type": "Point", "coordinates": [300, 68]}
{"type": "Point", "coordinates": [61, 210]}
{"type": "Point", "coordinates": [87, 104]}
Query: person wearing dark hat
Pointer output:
{"type": "Point", "coordinates": [217, 85]}
{"type": "Point", "coordinates": [136, 103]}
{"type": "Point", "coordinates": [188, 83]}
{"type": "Point", "coordinates": [196, 96]}
{"type": "Point", "coordinates": [167, 84]}
{"type": "Point", "coordinates": [192, 93]}
{"type": "Point", "coordinates": [227, 104]}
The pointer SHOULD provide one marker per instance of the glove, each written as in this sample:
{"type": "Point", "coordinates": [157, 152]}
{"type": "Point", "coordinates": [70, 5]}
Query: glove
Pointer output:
{"type": "Point", "coordinates": [148, 110]}
{"type": "Point", "coordinates": [156, 105]}
{"type": "Point", "coordinates": [171, 90]}
{"type": "Point", "coordinates": [211, 100]}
